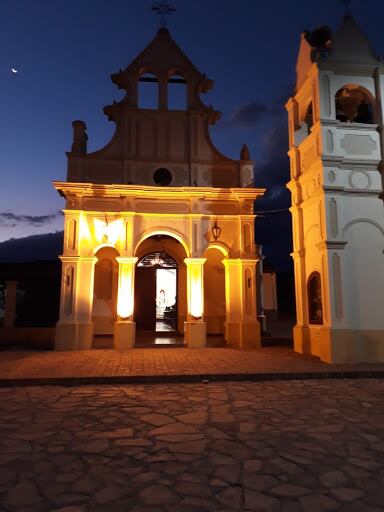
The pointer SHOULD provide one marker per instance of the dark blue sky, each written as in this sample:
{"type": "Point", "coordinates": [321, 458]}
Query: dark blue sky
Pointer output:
{"type": "Point", "coordinates": [65, 51]}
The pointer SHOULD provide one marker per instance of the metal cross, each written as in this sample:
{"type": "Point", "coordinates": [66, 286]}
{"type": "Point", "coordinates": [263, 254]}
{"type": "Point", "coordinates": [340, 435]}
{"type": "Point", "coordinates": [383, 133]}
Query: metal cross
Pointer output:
{"type": "Point", "coordinates": [346, 3]}
{"type": "Point", "coordinates": [163, 9]}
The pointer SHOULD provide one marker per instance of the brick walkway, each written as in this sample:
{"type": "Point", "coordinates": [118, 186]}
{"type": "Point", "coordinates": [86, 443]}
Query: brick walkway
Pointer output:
{"type": "Point", "coordinates": [166, 364]}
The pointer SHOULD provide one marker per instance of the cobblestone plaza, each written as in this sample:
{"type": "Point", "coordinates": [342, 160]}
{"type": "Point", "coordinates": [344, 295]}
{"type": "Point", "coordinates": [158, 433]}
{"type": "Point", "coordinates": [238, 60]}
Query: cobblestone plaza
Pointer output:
{"type": "Point", "coordinates": [310, 445]}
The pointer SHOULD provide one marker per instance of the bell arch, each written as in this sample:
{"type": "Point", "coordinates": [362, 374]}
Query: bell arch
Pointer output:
{"type": "Point", "coordinates": [148, 90]}
{"type": "Point", "coordinates": [354, 104]}
{"type": "Point", "coordinates": [177, 92]}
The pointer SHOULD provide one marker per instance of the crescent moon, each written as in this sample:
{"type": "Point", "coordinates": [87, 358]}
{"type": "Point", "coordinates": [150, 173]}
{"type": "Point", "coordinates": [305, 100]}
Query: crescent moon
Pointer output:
{"type": "Point", "coordinates": [14, 70]}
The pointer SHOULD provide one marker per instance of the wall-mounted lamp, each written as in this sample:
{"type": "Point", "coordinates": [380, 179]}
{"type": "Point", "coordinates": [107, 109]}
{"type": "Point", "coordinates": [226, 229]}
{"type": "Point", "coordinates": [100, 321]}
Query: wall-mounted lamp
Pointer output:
{"type": "Point", "coordinates": [216, 231]}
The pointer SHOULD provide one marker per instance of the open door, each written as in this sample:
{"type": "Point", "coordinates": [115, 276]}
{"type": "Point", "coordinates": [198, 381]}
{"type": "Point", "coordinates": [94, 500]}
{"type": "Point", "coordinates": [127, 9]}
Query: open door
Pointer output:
{"type": "Point", "coordinates": [145, 298]}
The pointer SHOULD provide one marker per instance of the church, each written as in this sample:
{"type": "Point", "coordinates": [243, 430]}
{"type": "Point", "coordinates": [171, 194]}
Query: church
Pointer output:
{"type": "Point", "coordinates": [336, 140]}
{"type": "Point", "coordinates": [158, 224]}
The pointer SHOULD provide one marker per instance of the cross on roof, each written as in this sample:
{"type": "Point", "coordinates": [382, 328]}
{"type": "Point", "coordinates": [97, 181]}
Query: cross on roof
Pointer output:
{"type": "Point", "coordinates": [163, 9]}
{"type": "Point", "coordinates": [346, 3]}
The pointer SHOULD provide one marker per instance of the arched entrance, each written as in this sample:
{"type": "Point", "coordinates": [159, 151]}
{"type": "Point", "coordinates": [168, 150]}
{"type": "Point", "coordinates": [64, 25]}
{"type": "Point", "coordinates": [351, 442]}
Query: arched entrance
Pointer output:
{"type": "Point", "coordinates": [160, 291]}
{"type": "Point", "coordinates": [156, 297]}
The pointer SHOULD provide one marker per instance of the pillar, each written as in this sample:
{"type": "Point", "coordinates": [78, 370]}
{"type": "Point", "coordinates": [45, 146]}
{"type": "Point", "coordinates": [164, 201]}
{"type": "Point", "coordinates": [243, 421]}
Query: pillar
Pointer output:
{"type": "Point", "coordinates": [74, 331]}
{"type": "Point", "coordinates": [163, 93]}
{"type": "Point", "coordinates": [195, 328]}
{"type": "Point", "coordinates": [10, 304]}
{"type": "Point", "coordinates": [260, 290]}
{"type": "Point", "coordinates": [242, 329]}
{"type": "Point", "coordinates": [125, 327]}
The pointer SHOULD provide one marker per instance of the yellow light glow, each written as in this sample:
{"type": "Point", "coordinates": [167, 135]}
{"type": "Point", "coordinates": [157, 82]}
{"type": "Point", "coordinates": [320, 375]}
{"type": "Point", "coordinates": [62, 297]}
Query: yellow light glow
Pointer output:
{"type": "Point", "coordinates": [125, 295]}
{"type": "Point", "coordinates": [108, 232]}
{"type": "Point", "coordinates": [84, 229]}
{"type": "Point", "coordinates": [195, 286]}
{"type": "Point", "coordinates": [196, 303]}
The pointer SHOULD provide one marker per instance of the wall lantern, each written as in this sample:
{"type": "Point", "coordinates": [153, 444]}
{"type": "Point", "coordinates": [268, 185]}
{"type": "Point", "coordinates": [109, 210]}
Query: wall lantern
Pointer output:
{"type": "Point", "coordinates": [216, 231]}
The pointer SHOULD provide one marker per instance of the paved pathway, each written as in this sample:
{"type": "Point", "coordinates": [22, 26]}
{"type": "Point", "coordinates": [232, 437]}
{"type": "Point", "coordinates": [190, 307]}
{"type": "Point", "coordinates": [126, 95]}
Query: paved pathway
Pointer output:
{"type": "Point", "coordinates": [147, 364]}
{"type": "Point", "coordinates": [289, 446]}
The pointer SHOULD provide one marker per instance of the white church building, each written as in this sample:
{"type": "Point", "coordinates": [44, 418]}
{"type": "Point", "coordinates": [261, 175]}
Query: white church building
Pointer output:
{"type": "Point", "coordinates": [336, 140]}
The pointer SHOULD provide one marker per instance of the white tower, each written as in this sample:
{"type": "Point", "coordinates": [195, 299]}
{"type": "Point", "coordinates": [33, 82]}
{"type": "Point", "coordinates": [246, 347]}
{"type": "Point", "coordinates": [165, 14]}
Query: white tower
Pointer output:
{"type": "Point", "coordinates": [336, 146]}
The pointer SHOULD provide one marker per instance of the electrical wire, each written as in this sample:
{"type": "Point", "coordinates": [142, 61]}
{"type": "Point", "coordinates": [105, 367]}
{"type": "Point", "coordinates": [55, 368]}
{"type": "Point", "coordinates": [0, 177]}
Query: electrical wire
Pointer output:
{"type": "Point", "coordinates": [271, 211]}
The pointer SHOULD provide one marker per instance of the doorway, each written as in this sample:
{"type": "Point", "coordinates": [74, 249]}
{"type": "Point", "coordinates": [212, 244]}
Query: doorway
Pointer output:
{"type": "Point", "coordinates": [156, 294]}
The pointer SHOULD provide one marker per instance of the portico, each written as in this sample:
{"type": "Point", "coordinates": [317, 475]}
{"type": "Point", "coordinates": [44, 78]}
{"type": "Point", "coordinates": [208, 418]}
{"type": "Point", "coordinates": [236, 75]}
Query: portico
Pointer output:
{"type": "Point", "coordinates": [187, 236]}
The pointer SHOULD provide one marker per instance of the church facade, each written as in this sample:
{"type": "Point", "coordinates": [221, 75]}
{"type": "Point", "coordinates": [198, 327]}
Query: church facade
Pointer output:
{"type": "Point", "coordinates": [336, 150]}
{"type": "Point", "coordinates": [158, 196]}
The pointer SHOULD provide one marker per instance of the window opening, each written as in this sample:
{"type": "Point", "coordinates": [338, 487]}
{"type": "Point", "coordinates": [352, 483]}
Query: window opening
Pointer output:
{"type": "Point", "coordinates": [177, 93]}
{"type": "Point", "coordinates": [162, 177]}
{"type": "Point", "coordinates": [353, 105]}
{"type": "Point", "coordinates": [148, 92]}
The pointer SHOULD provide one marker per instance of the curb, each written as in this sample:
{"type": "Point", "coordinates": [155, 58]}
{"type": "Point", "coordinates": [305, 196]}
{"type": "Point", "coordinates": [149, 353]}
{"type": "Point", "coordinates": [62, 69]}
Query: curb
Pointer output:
{"type": "Point", "coordinates": [204, 378]}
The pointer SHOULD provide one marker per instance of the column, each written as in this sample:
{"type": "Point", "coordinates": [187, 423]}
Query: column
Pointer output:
{"type": "Point", "coordinates": [301, 338]}
{"type": "Point", "coordinates": [10, 304]}
{"type": "Point", "coordinates": [195, 329]}
{"type": "Point", "coordinates": [74, 331]}
{"type": "Point", "coordinates": [242, 329]}
{"type": "Point", "coordinates": [260, 290]}
{"type": "Point", "coordinates": [125, 327]}
{"type": "Point", "coordinates": [163, 93]}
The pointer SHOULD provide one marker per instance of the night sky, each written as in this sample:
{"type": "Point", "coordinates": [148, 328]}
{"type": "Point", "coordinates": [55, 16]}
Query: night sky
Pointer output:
{"type": "Point", "coordinates": [65, 52]}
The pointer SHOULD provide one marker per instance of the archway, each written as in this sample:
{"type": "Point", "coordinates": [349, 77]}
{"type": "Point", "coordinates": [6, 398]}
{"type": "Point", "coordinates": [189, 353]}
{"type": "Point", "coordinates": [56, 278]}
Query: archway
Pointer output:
{"type": "Point", "coordinates": [105, 291]}
{"type": "Point", "coordinates": [354, 104]}
{"type": "Point", "coordinates": [214, 291]}
{"type": "Point", "coordinates": [160, 289]}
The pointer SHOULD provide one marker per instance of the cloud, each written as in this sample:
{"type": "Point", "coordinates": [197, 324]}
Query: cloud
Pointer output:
{"type": "Point", "coordinates": [274, 172]}
{"type": "Point", "coordinates": [249, 114]}
{"type": "Point", "coordinates": [273, 230]}
{"type": "Point", "coordinates": [10, 219]}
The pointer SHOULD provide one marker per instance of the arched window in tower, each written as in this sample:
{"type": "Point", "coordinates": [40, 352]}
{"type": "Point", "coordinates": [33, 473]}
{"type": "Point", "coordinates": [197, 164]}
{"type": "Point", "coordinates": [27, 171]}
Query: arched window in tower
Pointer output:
{"type": "Point", "coordinates": [315, 302]}
{"type": "Point", "coordinates": [177, 93]}
{"type": "Point", "coordinates": [354, 104]}
{"type": "Point", "coordinates": [148, 92]}
{"type": "Point", "coordinates": [309, 118]}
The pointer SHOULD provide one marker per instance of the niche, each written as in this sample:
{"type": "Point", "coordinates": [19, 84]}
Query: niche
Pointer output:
{"type": "Point", "coordinates": [315, 303]}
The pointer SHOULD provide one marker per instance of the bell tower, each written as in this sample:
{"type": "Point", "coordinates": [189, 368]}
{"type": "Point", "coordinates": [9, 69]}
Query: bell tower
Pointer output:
{"type": "Point", "coordinates": [336, 143]}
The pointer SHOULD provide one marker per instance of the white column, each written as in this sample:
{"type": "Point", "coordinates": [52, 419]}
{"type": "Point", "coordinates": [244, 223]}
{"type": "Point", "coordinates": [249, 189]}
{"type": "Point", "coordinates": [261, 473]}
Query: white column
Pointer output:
{"type": "Point", "coordinates": [74, 331]}
{"type": "Point", "coordinates": [260, 289]}
{"type": "Point", "coordinates": [195, 328]}
{"type": "Point", "coordinates": [125, 327]}
{"type": "Point", "coordinates": [242, 329]}
{"type": "Point", "coordinates": [10, 304]}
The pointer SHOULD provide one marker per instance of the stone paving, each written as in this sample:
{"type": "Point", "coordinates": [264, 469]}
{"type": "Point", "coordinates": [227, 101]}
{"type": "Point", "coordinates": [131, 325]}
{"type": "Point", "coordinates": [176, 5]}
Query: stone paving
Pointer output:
{"type": "Point", "coordinates": [289, 446]}
{"type": "Point", "coordinates": [165, 363]}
